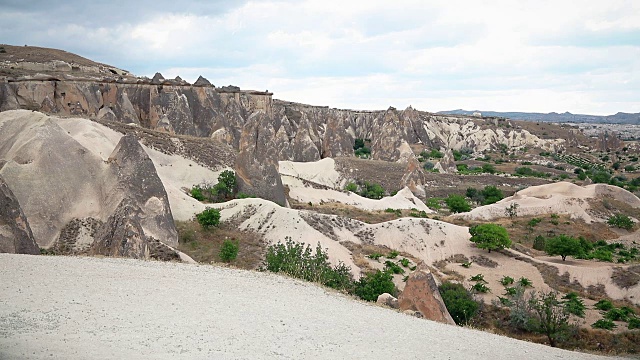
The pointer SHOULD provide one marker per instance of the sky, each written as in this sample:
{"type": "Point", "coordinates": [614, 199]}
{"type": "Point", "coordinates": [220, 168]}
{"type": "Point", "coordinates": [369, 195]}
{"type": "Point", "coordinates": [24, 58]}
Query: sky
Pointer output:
{"type": "Point", "coordinates": [533, 56]}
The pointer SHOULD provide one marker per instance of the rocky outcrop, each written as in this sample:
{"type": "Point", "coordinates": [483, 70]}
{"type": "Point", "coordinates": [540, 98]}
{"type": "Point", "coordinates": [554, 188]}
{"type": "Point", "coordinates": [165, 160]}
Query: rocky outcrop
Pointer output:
{"type": "Point", "coordinates": [447, 164]}
{"type": "Point", "coordinates": [202, 81]}
{"type": "Point", "coordinates": [421, 294]}
{"type": "Point", "coordinates": [257, 163]}
{"type": "Point", "coordinates": [15, 232]}
{"type": "Point", "coordinates": [609, 141]}
{"type": "Point", "coordinates": [387, 299]}
{"type": "Point", "coordinates": [74, 200]}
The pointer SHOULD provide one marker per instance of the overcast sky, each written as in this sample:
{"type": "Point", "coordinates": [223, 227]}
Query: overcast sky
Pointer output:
{"type": "Point", "coordinates": [543, 56]}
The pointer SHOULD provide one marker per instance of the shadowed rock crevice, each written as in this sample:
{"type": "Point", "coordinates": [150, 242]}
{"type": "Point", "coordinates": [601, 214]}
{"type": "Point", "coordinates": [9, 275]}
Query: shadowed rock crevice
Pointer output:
{"type": "Point", "coordinates": [15, 232]}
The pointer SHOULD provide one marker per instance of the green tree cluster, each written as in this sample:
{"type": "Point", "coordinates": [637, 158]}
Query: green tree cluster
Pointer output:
{"type": "Point", "coordinates": [490, 236]}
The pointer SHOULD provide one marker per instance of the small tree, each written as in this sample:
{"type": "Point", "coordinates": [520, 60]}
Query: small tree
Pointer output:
{"type": "Point", "coordinates": [490, 236]}
{"type": "Point", "coordinates": [457, 203]}
{"type": "Point", "coordinates": [512, 210]}
{"type": "Point", "coordinates": [209, 218]}
{"type": "Point", "coordinates": [621, 221]}
{"type": "Point", "coordinates": [548, 316]}
{"type": "Point", "coordinates": [229, 250]}
{"type": "Point", "coordinates": [563, 245]}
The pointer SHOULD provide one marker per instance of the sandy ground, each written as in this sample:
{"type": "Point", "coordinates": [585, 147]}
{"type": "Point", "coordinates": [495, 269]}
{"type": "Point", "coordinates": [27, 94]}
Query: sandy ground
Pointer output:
{"type": "Point", "coordinates": [93, 308]}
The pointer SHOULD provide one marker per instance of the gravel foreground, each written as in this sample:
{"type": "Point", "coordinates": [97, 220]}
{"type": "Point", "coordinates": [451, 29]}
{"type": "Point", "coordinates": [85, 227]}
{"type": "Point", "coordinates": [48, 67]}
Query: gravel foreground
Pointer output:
{"type": "Point", "coordinates": [56, 307]}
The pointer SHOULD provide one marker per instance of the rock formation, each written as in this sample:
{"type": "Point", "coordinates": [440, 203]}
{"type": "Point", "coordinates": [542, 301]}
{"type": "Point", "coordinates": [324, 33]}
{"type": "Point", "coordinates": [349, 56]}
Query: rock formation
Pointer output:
{"type": "Point", "coordinates": [15, 232]}
{"type": "Point", "coordinates": [76, 202]}
{"type": "Point", "coordinates": [257, 163]}
{"type": "Point", "coordinates": [421, 294]}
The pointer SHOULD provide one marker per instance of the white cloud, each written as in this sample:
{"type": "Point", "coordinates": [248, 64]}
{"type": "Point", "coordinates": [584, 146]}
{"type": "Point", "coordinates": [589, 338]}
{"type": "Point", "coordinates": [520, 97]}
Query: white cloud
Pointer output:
{"type": "Point", "coordinates": [499, 55]}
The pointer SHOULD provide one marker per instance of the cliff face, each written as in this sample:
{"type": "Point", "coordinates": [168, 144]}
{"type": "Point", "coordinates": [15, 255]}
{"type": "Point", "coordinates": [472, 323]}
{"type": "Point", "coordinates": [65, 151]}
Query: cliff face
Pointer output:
{"type": "Point", "coordinates": [301, 132]}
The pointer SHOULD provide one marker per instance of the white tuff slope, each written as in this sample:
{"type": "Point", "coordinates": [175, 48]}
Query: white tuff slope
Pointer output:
{"type": "Point", "coordinates": [559, 198]}
{"type": "Point", "coordinates": [91, 308]}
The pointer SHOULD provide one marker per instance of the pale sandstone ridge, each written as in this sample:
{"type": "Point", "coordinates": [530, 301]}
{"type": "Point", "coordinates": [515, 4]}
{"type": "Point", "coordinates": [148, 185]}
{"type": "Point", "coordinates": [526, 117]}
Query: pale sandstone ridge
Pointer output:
{"type": "Point", "coordinates": [558, 198]}
{"type": "Point", "coordinates": [75, 201]}
{"type": "Point", "coordinates": [15, 232]}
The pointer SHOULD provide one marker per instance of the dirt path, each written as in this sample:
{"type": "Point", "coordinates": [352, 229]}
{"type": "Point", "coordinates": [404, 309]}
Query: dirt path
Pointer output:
{"type": "Point", "coordinates": [92, 308]}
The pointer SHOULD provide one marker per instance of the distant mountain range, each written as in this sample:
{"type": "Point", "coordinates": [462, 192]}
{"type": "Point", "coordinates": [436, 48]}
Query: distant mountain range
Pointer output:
{"type": "Point", "coordinates": [619, 118]}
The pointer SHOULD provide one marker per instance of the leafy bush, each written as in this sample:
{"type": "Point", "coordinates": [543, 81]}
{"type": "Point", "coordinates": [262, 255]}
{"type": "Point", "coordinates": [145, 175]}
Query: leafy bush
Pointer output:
{"type": "Point", "coordinates": [603, 305]}
{"type": "Point", "coordinates": [359, 143]}
{"type": "Point", "coordinates": [351, 187]}
{"type": "Point", "coordinates": [634, 323]}
{"type": "Point", "coordinates": [488, 168]}
{"type": "Point", "coordinates": [374, 284]}
{"type": "Point", "coordinates": [372, 191]}
{"type": "Point", "coordinates": [621, 221]}
{"type": "Point", "coordinates": [209, 218]}
{"type": "Point", "coordinates": [524, 282]}
{"type": "Point", "coordinates": [428, 165]}
{"type": "Point", "coordinates": [229, 250]}
{"type": "Point", "coordinates": [392, 267]}
{"type": "Point", "coordinates": [573, 304]}
{"type": "Point", "coordinates": [548, 316]}
{"type": "Point", "coordinates": [512, 210]}
{"type": "Point", "coordinates": [404, 262]}
{"type": "Point", "coordinates": [457, 203]}
{"type": "Point", "coordinates": [533, 222]}
{"type": "Point", "coordinates": [506, 280]}
{"type": "Point", "coordinates": [478, 278]}
{"type": "Point", "coordinates": [563, 245]}
{"type": "Point", "coordinates": [393, 254]}
{"type": "Point", "coordinates": [490, 236]}
{"type": "Point", "coordinates": [604, 324]}
{"type": "Point", "coordinates": [459, 302]}
{"type": "Point", "coordinates": [616, 314]}
{"type": "Point", "coordinates": [374, 256]}
{"type": "Point", "coordinates": [434, 203]}
{"type": "Point", "coordinates": [302, 262]}
{"type": "Point", "coordinates": [491, 195]}
{"type": "Point", "coordinates": [363, 152]}
{"type": "Point", "coordinates": [480, 287]}
{"type": "Point", "coordinates": [539, 242]}
{"type": "Point", "coordinates": [197, 193]}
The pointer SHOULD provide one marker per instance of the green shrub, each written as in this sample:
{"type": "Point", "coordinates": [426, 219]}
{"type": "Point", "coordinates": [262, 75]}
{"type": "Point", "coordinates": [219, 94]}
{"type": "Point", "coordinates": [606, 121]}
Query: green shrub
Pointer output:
{"type": "Point", "coordinates": [491, 194]}
{"type": "Point", "coordinates": [480, 287]}
{"type": "Point", "coordinates": [488, 168]}
{"type": "Point", "coordinates": [434, 203]}
{"type": "Point", "coordinates": [621, 221]}
{"type": "Point", "coordinates": [457, 203]}
{"type": "Point", "coordinates": [374, 256]}
{"type": "Point", "coordinates": [533, 222]}
{"type": "Point", "coordinates": [302, 262]}
{"type": "Point", "coordinates": [374, 284]}
{"type": "Point", "coordinates": [393, 268]}
{"type": "Point", "coordinates": [393, 254]}
{"type": "Point", "coordinates": [351, 187]}
{"type": "Point", "coordinates": [539, 242]}
{"type": "Point", "coordinates": [634, 323]}
{"type": "Point", "coordinates": [359, 143]}
{"type": "Point", "coordinates": [372, 191]}
{"type": "Point", "coordinates": [603, 324]}
{"type": "Point", "coordinates": [603, 305]}
{"type": "Point", "coordinates": [404, 262]}
{"type": "Point", "coordinates": [490, 236]}
{"type": "Point", "coordinates": [459, 302]}
{"type": "Point", "coordinates": [573, 304]}
{"type": "Point", "coordinates": [197, 193]}
{"type": "Point", "coordinates": [524, 282]}
{"type": "Point", "coordinates": [478, 278]}
{"type": "Point", "coordinates": [209, 218]}
{"type": "Point", "coordinates": [229, 250]}
{"type": "Point", "coordinates": [363, 152]}
{"type": "Point", "coordinates": [506, 280]}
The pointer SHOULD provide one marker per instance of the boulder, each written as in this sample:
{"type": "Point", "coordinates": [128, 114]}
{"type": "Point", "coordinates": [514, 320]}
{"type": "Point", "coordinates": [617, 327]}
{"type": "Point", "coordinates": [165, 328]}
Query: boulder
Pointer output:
{"type": "Point", "coordinates": [15, 233]}
{"type": "Point", "coordinates": [421, 294]}
{"type": "Point", "coordinates": [387, 299]}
